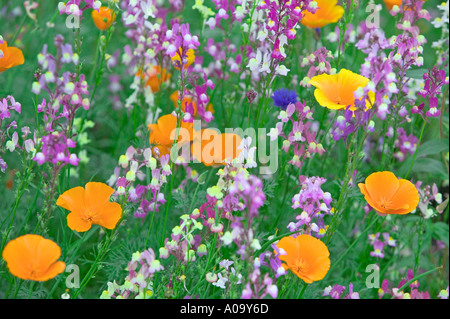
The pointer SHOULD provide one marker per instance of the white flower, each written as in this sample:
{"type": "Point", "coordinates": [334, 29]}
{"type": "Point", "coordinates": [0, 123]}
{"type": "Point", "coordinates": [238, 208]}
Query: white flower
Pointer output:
{"type": "Point", "coordinates": [273, 134]}
{"type": "Point", "coordinates": [227, 239]}
{"type": "Point", "coordinates": [147, 8]}
{"type": "Point", "coordinates": [262, 35]}
{"type": "Point", "coordinates": [130, 19]}
{"type": "Point", "coordinates": [253, 63]}
{"type": "Point", "coordinates": [221, 282]}
{"type": "Point", "coordinates": [282, 70]}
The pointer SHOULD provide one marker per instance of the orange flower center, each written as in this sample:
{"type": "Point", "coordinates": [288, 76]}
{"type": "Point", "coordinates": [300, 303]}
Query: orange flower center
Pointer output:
{"type": "Point", "coordinates": [89, 217]}
{"type": "Point", "coordinates": [299, 265]}
{"type": "Point", "coordinates": [385, 203]}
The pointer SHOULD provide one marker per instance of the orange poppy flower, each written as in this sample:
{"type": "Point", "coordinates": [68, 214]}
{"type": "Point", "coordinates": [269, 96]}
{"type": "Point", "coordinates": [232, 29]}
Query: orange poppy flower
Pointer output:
{"type": "Point", "coordinates": [10, 57]}
{"type": "Point", "coordinates": [391, 3]}
{"type": "Point", "coordinates": [387, 194]}
{"type": "Point", "coordinates": [306, 256]}
{"type": "Point", "coordinates": [337, 91]}
{"type": "Point", "coordinates": [327, 12]}
{"type": "Point", "coordinates": [155, 77]}
{"type": "Point", "coordinates": [90, 206]}
{"type": "Point", "coordinates": [162, 134]}
{"type": "Point", "coordinates": [212, 148]}
{"type": "Point", "coordinates": [103, 18]}
{"type": "Point", "coordinates": [32, 257]}
{"type": "Point", "coordinates": [190, 58]}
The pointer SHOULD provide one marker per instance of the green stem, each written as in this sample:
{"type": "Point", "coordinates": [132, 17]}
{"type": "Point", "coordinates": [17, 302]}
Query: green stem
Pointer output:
{"type": "Point", "coordinates": [25, 16]}
{"type": "Point", "coordinates": [305, 285]}
{"type": "Point", "coordinates": [21, 190]}
{"type": "Point", "coordinates": [30, 290]}
{"type": "Point", "coordinates": [100, 256]}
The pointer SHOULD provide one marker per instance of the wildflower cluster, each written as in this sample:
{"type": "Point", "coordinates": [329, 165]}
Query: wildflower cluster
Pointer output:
{"type": "Point", "coordinates": [138, 283]}
{"type": "Point", "coordinates": [398, 293]}
{"type": "Point", "coordinates": [300, 137]}
{"type": "Point", "coordinates": [9, 138]}
{"type": "Point", "coordinates": [314, 203]}
{"type": "Point", "coordinates": [427, 195]}
{"type": "Point", "coordinates": [337, 291]}
{"type": "Point", "coordinates": [136, 167]}
{"type": "Point", "coordinates": [248, 149]}
{"type": "Point", "coordinates": [67, 91]}
{"type": "Point", "coordinates": [183, 244]}
{"type": "Point", "coordinates": [77, 7]}
{"type": "Point", "coordinates": [378, 245]}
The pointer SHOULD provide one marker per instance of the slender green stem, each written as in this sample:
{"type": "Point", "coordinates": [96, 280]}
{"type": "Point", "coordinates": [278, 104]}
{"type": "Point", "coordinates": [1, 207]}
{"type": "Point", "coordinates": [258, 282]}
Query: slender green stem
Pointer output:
{"type": "Point", "coordinates": [30, 290]}
{"type": "Point", "coordinates": [20, 191]}
{"type": "Point", "coordinates": [25, 16]}
{"type": "Point", "coordinates": [102, 253]}
{"type": "Point", "coordinates": [305, 285]}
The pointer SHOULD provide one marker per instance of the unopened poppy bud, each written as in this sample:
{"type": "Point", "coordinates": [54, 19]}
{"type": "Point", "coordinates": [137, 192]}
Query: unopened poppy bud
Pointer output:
{"type": "Point", "coordinates": [211, 277]}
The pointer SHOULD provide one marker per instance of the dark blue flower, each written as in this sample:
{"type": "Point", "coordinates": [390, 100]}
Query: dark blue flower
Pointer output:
{"type": "Point", "coordinates": [283, 97]}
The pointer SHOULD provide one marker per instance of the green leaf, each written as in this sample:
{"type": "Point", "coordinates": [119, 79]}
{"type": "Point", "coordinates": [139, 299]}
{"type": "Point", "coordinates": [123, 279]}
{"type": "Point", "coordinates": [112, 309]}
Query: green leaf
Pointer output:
{"type": "Point", "coordinates": [416, 73]}
{"type": "Point", "coordinates": [430, 166]}
{"type": "Point", "coordinates": [433, 147]}
{"type": "Point", "coordinates": [423, 164]}
{"type": "Point", "coordinates": [440, 232]}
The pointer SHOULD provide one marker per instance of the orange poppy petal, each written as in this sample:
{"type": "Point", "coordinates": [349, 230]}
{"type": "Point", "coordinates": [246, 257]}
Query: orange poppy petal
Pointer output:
{"type": "Point", "coordinates": [306, 256]}
{"type": "Point", "coordinates": [391, 3]}
{"type": "Point", "coordinates": [290, 246]}
{"type": "Point", "coordinates": [323, 100]}
{"type": "Point", "coordinates": [17, 254]}
{"type": "Point", "coordinates": [316, 256]}
{"type": "Point", "coordinates": [32, 257]}
{"type": "Point", "coordinates": [77, 222]}
{"type": "Point", "coordinates": [348, 82]}
{"type": "Point", "coordinates": [204, 146]}
{"type": "Point", "coordinates": [382, 186]}
{"type": "Point", "coordinates": [96, 195]}
{"type": "Point", "coordinates": [156, 137]}
{"type": "Point", "coordinates": [230, 144]}
{"type": "Point", "coordinates": [15, 57]}
{"type": "Point", "coordinates": [185, 133]}
{"type": "Point", "coordinates": [166, 124]}
{"type": "Point", "coordinates": [369, 200]}
{"type": "Point", "coordinates": [337, 91]}
{"type": "Point", "coordinates": [103, 18]}
{"type": "Point", "coordinates": [47, 254]}
{"type": "Point", "coordinates": [109, 216]}
{"type": "Point", "coordinates": [54, 270]}
{"type": "Point", "coordinates": [406, 199]}
{"type": "Point", "coordinates": [328, 12]}
{"type": "Point", "coordinates": [72, 199]}
{"type": "Point", "coordinates": [327, 84]}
